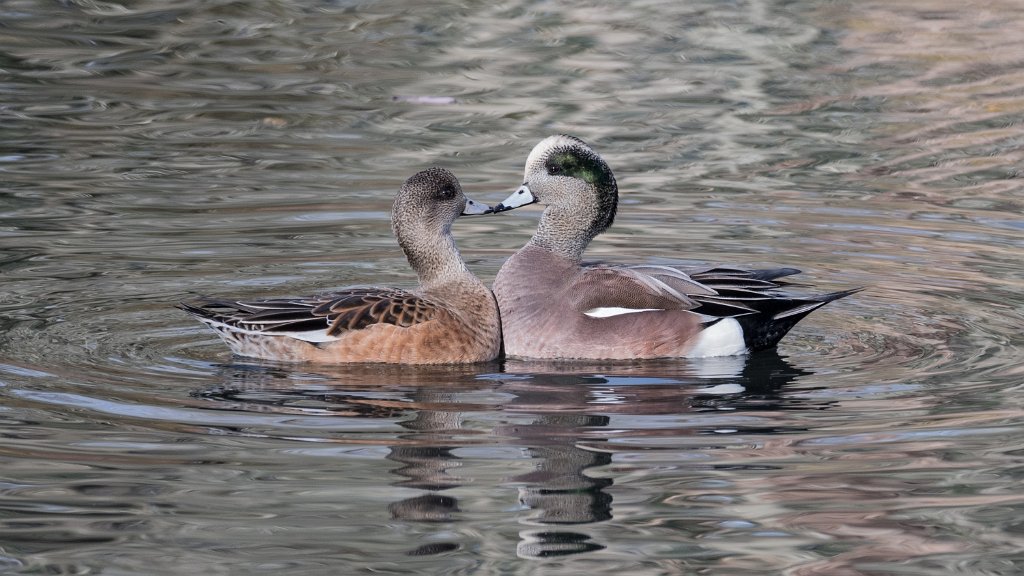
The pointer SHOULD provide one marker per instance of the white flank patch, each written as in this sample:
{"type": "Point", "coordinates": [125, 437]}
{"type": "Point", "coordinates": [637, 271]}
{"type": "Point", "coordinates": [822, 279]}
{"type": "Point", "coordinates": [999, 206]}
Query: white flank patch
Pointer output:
{"type": "Point", "coordinates": [615, 311]}
{"type": "Point", "coordinates": [724, 338]}
{"type": "Point", "coordinates": [308, 336]}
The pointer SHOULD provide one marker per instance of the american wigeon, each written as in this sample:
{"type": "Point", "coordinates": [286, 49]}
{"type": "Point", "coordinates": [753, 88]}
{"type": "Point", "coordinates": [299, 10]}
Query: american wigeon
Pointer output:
{"type": "Point", "coordinates": [451, 317]}
{"type": "Point", "coordinates": [553, 306]}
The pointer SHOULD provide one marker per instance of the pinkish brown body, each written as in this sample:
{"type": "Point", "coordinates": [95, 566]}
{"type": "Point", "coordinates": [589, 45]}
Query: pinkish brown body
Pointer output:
{"type": "Point", "coordinates": [553, 306]}
{"type": "Point", "coordinates": [450, 318]}
{"type": "Point", "coordinates": [555, 325]}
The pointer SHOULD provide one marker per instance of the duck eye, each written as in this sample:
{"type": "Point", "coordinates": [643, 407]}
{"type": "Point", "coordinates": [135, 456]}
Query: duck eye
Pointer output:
{"type": "Point", "coordinates": [554, 169]}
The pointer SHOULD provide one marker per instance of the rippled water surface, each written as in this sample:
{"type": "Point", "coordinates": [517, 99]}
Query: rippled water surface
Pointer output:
{"type": "Point", "coordinates": [152, 151]}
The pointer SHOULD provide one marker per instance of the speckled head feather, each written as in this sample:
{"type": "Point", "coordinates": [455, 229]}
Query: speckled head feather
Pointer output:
{"type": "Point", "coordinates": [568, 156]}
{"type": "Point", "coordinates": [579, 192]}
{"type": "Point", "coordinates": [430, 199]}
{"type": "Point", "coordinates": [421, 219]}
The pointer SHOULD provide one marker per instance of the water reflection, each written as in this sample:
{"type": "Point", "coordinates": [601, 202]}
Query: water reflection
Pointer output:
{"type": "Point", "coordinates": [557, 491]}
{"type": "Point", "coordinates": [154, 150]}
{"type": "Point", "coordinates": [565, 418]}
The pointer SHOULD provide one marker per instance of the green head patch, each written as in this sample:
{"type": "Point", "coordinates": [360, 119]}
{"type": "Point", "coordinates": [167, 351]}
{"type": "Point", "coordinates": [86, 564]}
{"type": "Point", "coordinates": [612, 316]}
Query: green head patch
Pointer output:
{"type": "Point", "coordinates": [581, 164]}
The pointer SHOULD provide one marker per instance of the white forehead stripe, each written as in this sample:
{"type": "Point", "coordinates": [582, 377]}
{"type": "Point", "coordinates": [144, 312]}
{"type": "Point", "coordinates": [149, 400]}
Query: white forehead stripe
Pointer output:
{"type": "Point", "coordinates": [541, 150]}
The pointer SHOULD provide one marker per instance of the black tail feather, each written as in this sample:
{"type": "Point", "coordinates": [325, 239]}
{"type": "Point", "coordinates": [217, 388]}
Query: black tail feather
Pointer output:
{"type": "Point", "coordinates": [774, 318]}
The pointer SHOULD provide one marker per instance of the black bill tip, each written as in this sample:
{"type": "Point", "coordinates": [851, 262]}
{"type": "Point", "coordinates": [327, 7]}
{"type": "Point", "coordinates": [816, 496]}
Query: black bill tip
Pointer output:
{"type": "Point", "coordinates": [497, 208]}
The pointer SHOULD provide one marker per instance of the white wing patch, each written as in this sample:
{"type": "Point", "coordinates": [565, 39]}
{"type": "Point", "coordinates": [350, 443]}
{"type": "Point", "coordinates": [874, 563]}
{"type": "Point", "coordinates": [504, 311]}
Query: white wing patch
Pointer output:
{"type": "Point", "coordinates": [314, 336]}
{"type": "Point", "coordinates": [605, 312]}
{"type": "Point", "coordinates": [724, 338]}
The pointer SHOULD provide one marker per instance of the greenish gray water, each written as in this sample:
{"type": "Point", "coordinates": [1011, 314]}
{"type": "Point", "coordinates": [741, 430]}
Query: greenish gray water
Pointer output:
{"type": "Point", "coordinates": [152, 151]}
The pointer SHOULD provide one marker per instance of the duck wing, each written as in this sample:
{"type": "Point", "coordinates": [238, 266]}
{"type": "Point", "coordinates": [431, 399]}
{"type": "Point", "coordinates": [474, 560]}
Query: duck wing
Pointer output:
{"type": "Point", "coordinates": [318, 318]}
{"type": "Point", "coordinates": [604, 290]}
{"type": "Point", "coordinates": [754, 298]}
{"type": "Point", "coordinates": [717, 292]}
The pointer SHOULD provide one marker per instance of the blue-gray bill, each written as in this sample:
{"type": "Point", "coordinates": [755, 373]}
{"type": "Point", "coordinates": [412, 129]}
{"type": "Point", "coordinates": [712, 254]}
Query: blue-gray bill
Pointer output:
{"type": "Point", "coordinates": [474, 208]}
{"type": "Point", "coordinates": [521, 197]}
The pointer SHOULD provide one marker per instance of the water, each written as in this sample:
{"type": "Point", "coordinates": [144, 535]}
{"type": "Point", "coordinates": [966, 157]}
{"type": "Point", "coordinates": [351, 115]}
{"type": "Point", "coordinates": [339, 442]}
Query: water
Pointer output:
{"type": "Point", "coordinates": [153, 151]}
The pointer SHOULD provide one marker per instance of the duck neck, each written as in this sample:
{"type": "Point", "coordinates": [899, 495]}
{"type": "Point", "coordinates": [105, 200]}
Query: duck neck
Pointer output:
{"type": "Point", "coordinates": [438, 261]}
{"type": "Point", "coordinates": [557, 234]}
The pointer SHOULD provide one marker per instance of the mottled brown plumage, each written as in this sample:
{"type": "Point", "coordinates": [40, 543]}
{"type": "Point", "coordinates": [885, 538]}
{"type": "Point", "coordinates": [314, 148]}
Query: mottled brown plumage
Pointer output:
{"type": "Point", "coordinates": [450, 318]}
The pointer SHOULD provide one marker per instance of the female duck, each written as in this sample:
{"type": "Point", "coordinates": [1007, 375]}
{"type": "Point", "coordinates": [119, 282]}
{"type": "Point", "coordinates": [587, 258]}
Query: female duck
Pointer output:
{"type": "Point", "coordinates": [552, 306]}
{"type": "Point", "coordinates": [450, 318]}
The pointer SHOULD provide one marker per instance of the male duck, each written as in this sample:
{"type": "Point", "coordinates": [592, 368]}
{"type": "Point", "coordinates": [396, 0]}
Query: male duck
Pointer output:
{"type": "Point", "coordinates": [552, 306]}
{"type": "Point", "coordinates": [450, 318]}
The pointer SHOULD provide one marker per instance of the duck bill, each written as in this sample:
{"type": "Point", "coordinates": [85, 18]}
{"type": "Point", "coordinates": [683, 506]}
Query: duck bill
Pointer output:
{"type": "Point", "coordinates": [519, 198]}
{"type": "Point", "coordinates": [474, 208]}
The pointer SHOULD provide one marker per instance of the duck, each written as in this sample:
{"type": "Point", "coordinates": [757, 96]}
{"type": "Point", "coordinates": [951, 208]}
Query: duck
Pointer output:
{"type": "Point", "coordinates": [555, 306]}
{"type": "Point", "coordinates": [451, 317]}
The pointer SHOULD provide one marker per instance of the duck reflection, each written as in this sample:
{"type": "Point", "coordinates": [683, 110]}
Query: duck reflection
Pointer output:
{"type": "Point", "coordinates": [564, 415]}
{"type": "Point", "coordinates": [427, 459]}
{"type": "Point", "coordinates": [558, 491]}
{"type": "Point", "coordinates": [572, 403]}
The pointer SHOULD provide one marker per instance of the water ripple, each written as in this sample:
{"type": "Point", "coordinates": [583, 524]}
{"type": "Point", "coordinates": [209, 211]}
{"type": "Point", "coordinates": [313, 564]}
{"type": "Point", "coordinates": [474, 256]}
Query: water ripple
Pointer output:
{"type": "Point", "coordinates": [154, 151]}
